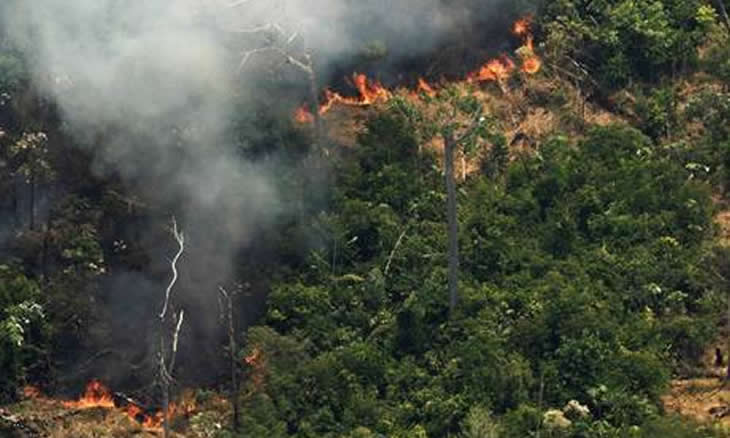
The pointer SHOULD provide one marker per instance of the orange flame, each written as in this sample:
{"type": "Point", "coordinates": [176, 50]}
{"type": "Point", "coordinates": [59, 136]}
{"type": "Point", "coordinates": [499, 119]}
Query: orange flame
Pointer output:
{"type": "Point", "coordinates": [370, 91]}
{"type": "Point", "coordinates": [303, 115]}
{"type": "Point", "coordinates": [96, 395]}
{"type": "Point", "coordinates": [497, 69]}
{"type": "Point", "coordinates": [186, 407]}
{"type": "Point", "coordinates": [522, 26]}
{"type": "Point", "coordinates": [531, 65]}
{"type": "Point", "coordinates": [426, 88]}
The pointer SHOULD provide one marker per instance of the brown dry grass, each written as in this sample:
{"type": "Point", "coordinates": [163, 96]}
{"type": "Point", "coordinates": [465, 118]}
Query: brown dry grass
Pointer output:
{"type": "Point", "coordinates": [56, 421]}
{"type": "Point", "coordinates": [53, 420]}
{"type": "Point", "coordinates": [525, 108]}
{"type": "Point", "coordinates": [697, 398]}
{"type": "Point", "coordinates": [722, 219]}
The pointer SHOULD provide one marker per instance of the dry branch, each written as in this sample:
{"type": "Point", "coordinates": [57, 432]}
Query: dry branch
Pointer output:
{"type": "Point", "coordinates": [166, 367]}
{"type": "Point", "coordinates": [180, 239]}
{"type": "Point", "coordinates": [232, 354]}
{"type": "Point", "coordinates": [392, 252]}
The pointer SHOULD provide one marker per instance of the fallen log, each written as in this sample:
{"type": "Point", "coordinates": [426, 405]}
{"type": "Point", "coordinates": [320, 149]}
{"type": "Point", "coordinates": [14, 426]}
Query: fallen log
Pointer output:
{"type": "Point", "coordinates": [121, 400]}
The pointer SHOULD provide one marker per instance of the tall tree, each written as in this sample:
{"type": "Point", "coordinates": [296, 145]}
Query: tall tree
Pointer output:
{"type": "Point", "coordinates": [455, 116]}
{"type": "Point", "coordinates": [31, 154]}
{"type": "Point", "coordinates": [289, 45]}
{"type": "Point", "coordinates": [167, 364]}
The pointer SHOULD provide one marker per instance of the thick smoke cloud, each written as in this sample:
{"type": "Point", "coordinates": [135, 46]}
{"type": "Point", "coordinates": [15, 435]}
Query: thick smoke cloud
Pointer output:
{"type": "Point", "coordinates": [162, 72]}
{"type": "Point", "coordinates": [149, 87]}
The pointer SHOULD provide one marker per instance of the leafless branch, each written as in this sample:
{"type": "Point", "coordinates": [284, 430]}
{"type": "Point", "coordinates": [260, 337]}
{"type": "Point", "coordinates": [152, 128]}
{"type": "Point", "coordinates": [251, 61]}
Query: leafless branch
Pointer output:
{"type": "Point", "coordinates": [238, 3]}
{"type": "Point", "coordinates": [306, 67]}
{"type": "Point", "coordinates": [247, 54]}
{"type": "Point", "coordinates": [257, 29]}
{"type": "Point", "coordinates": [232, 355]}
{"type": "Point", "coordinates": [175, 337]}
{"type": "Point", "coordinates": [180, 239]}
{"type": "Point", "coordinates": [392, 252]}
{"type": "Point", "coordinates": [473, 125]}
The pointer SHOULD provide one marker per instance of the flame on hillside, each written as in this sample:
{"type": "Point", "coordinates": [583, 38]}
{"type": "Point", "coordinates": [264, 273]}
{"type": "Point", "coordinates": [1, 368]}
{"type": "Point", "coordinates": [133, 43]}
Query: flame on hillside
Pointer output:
{"type": "Point", "coordinates": [497, 69]}
{"type": "Point", "coordinates": [96, 395]}
{"type": "Point", "coordinates": [531, 63]}
{"type": "Point", "coordinates": [426, 88]}
{"type": "Point", "coordinates": [522, 26]}
{"type": "Point", "coordinates": [302, 115]}
{"type": "Point", "coordinates": [186, 407]}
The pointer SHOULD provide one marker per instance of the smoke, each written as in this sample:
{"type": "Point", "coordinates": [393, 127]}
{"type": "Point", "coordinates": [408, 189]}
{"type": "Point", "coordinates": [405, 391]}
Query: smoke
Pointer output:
{"type": "Point", "coordinates": [150, 87]}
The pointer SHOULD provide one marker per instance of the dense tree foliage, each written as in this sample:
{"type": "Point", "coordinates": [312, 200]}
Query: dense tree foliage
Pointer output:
{"type": "Point", "coordinates": [582, 281]}
{"type": "Point", "coordinates": [620, 41]}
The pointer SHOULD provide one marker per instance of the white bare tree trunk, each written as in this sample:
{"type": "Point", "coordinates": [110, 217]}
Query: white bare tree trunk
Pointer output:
{"type": "Point", "coordinates": [166, 367]}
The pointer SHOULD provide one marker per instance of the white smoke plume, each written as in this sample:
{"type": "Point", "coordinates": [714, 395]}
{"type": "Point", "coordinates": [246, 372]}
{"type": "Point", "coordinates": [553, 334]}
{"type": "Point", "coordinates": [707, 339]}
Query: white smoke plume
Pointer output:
{"type": "Point", "coordinates": [150, 86]}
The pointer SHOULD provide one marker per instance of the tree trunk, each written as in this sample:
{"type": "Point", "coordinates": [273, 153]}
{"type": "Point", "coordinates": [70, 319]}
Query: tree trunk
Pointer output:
{"type": "Point", "coordinates": [727, 325]}
{"type": "Point", "coordinates": [31, 206]}
{"type": "Point", "coordinates": [453, 226]}
{"type": "Point", "coordinates": [17, 213]}
{"type": "Point", "coordinates": [723, 12]}
{"type": "Point", "coordinates": [314, 106]}
{"type": "Point", "coordinates": [166, 408]}
{"type": "Point", "coordinates": [44, 252]}
{"type": "Point", "coordinates": [164, 384]}
{"type": "Point", "coordinates": [234, 366]}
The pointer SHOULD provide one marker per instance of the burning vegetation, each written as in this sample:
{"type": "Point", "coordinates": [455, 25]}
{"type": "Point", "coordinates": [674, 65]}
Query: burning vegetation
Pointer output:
{"type": "Point", "coordinates": [498, 69]}
{"type": "Point", "coordinates": [96, 395]}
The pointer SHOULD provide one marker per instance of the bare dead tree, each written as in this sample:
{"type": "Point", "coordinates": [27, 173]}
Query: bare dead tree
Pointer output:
{"type": "Point", "coordinates": [460, 123]}
{"type": "Point", "coordinates": [167, 366]}
{"type": "Point", "coordinates": [281, 43]}
{"type": "Point", "coordinates": [723, 12]}
{"type": "Point", "coordinates": [228, 299]}
{"type": "Point", "coordinates": [452, 140]}
{"type": "Point", "coordinates": [392, 252]}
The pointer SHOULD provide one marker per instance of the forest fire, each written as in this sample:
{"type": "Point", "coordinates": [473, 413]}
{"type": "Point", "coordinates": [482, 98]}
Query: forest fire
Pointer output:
{"type": "Point", "coordinates": [426, 88]}
{"type": "Point", "coordinates": [497, 69]}
{"type": "Point", "coordinates": [302, 115]}
{"type": "Point", "coordinates": [531, 63]}
{"type": "Point", "coordinates": [96, 395]}
{"type": "Point", "coordinates": [521, 27]}
{"type": "Point", "coordinates": [370, 92]}
{"type": "Point", "coordinates": [185, 407]}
